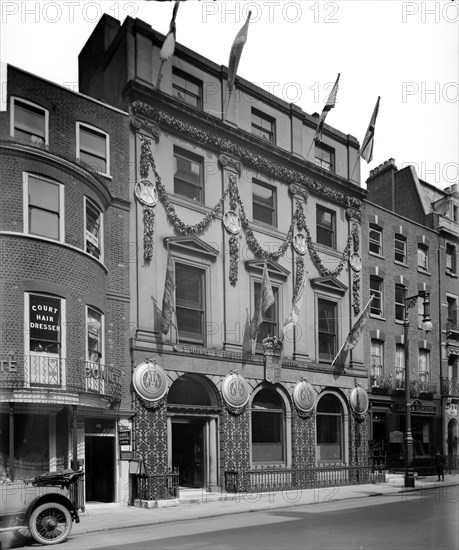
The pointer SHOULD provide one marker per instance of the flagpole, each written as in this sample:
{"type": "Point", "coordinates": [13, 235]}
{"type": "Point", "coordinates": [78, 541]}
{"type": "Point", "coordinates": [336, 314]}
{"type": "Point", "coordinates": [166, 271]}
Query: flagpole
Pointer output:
{"type": "Point", "coordinates": [159, 73]}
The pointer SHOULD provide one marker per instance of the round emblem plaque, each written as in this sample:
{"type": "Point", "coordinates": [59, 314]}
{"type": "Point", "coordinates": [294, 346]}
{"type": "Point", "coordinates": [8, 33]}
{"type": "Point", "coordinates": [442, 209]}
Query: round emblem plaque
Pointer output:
{"type": "Point", "coordinates": [304, 396]}
{"type": "Point", "coordinates": [356, 262]}
{"type": "Point", "coordinates": [299, 243]}
{"type": "Point", "coordinates": [235, 390]}
{"type": "Point", "coordinates": [149, 380]}
{"type": "Point", "coordinates": [232, 222]}
{"type": "Point", "coordinates": [146, 192]}
{"type": "Point", "coordinates": [359, 400]}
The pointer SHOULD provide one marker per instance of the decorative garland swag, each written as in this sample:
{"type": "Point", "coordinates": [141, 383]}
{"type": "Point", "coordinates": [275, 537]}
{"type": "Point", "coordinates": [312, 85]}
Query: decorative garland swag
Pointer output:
{"type": "Point", "coordinates": [232, 191]}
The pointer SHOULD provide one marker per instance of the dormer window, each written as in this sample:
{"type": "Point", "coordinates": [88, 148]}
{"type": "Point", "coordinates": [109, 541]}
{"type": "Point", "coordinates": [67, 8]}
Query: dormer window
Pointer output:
{"type": "Point", "coordinates": [29, 122]}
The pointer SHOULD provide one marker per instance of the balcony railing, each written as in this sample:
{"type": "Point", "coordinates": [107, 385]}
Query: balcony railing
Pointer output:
{"type": "Point", "coordinates": [452, 330]}
{"type": "Point", "coordinates": [52, 371]}
{"type": "Point", "coordinates": [388, 384]}
{"type": "Point", "coordinates": [450, 387]}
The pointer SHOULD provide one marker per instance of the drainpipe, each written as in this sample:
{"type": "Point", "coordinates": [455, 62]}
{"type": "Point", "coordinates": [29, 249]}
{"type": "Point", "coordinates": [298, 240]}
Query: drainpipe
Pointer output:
{"type": "Point", "coordinates": [11, 443]}
{"type": "Point", "coordinates": [75, 440]}
{"type": "Point", "coordinates": [441, 344]}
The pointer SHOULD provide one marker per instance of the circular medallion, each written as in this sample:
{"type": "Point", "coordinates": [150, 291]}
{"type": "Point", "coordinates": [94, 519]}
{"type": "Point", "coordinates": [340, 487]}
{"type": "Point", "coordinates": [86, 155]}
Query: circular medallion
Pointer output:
{"type": "Point", "coordinates": [356, 262]}
{"type": "Point", "coordinates": [299, 243]}
{"type": "Point", "coordinates": [304, 396]}
{"type": "Point", "coordinates": [359, 400]}
{"type": "Point", "coordinates": [149, 380]}
{"type": "Point", "coordinates": [235, 390]}
{"type": "Point", "coordinates": [232, 222]}
{"type": "Point", "coordinates": [146, 192]}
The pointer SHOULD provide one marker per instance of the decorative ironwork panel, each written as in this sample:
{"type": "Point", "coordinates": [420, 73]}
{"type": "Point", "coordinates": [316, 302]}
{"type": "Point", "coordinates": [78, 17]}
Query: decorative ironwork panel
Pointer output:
{"type": "Point", "coordinates": [236, 443]}
{"type": "Point", "coordinates": [151, 437]}
{"type": "Point", "coordinates": [359, 435]}
{"type": "Point", "coordinates": [303, 440]}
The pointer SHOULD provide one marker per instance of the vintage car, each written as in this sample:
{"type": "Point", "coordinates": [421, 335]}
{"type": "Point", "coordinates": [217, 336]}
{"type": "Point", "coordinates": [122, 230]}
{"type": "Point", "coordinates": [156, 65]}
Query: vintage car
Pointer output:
{"type": "Point", "coordinates": [41, 508]}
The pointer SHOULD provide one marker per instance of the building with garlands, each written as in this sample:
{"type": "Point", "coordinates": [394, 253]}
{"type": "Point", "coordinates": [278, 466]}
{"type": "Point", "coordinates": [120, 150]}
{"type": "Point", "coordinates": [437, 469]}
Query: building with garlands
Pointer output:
{"type": "Point", "coordinates": [234, 205]}
{"type": "Point", "coordinates": [65, 369]}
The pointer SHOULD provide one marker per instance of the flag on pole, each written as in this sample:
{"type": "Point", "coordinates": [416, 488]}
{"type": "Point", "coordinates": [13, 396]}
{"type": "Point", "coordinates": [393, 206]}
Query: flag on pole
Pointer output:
{"type": "Point", "coordinates": [366, 150]}
{"type": "Point", "coordinates": [354, 335]}
{"type": "Point", "coordinates": [236, 52]}
{"type": "Point", "coordinates": [331, 101]}
{"type": "Point", "coordinates": [168, 46]}
{"type": "Point", "coordinates": [265, 301]}
{"type": "Point", "coordinates": [169, 296]}
{"type": "Point", "coordinates": [292, 319]}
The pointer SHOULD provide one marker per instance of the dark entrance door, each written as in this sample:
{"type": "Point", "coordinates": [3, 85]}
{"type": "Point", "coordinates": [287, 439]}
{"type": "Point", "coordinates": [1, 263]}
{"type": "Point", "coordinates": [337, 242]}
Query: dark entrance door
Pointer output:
{"type": "Point", "coordinates": [188, 451]}
{"type": "Point", "coordinates": [99, 468]}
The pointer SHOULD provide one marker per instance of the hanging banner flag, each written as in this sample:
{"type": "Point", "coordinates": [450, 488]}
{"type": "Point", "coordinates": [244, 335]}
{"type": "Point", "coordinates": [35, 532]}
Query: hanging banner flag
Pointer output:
{"type": "Point", "coordinates": [265, 301]}
{"type": "Point", "coordinates": [168, 47]}
{"type": "Point", "coordinates": [366, 151]}
{"type": "Point", "coordinates": [236, 52]}
{"type": "Point", "coordinates": [169, 296]}
{"type": "Point", "coordinates": [331, 102]}
{"type": "Point", "coordinates": [292, 319]}
{"type": "Point", "coordinates": [354, 335]}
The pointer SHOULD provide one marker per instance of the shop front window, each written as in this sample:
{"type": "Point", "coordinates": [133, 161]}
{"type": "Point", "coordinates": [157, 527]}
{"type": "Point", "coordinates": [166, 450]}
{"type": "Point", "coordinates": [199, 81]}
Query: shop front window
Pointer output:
{"type": "Point", "coordinates": [329, 429]}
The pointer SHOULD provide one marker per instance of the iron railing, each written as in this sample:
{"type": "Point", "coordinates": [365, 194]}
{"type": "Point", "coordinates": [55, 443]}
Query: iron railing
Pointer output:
{"type": "Point", "coordinates": [157, 486]}
{"type": "Point", "coordinates": [261, 480]}
{"type": "Point", "coordinates": [48, 371]}
{"type": "Point", "coordinates": [388, 384]}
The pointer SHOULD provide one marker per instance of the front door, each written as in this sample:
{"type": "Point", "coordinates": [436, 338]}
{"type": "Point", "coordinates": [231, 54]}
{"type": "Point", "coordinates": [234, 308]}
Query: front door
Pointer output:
{"type": "Point", "coordinates": [99, 468]}
{"type": "Point", "coordinates": [188, 450]}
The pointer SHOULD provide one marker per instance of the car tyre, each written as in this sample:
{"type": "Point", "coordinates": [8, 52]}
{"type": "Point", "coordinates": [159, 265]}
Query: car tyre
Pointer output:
{"type": "Point", "coordinates": [50, 523]}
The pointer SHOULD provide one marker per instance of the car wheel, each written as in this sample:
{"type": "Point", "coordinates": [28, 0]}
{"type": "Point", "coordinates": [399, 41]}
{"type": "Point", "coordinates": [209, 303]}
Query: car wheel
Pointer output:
{"type": "Point", "coordinates": [50, 523]}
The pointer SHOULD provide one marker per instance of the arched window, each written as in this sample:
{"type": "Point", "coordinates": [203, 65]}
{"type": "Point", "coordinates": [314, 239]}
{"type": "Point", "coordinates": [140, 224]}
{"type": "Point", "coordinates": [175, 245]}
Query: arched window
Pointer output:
{"type": "Point", "coordinates": [268, 428]}
{"type": "Point", "coordinates": [329, 429]}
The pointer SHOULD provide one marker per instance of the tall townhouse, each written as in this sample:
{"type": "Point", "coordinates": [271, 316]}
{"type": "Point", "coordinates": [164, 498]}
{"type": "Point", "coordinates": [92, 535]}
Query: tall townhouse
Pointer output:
{"type": "Point", "coordinates": [65, 369]}
{"type": "Point", "coordinates": [409, 247]}
{"type": "Point", "coordinates": [219, 205]}
{"type": "Point", "coordinates": [445, 205]}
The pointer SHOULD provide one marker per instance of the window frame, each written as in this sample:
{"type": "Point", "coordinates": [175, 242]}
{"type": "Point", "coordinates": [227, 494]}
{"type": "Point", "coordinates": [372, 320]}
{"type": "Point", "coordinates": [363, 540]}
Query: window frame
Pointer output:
{"type": "Point", "coordinates": [282, 442]}
{"type": "Point", "coordinates": [87, 234]}
{"type": "Point", "coordinates": [377, 243]}
{"type": "Point", "coordinates": [96, 130]}
{"type": "Point", "coordinates": [400, 306]}
{"type": "Point", "coordinates": [186, 93]}
{"type": "Point", "coordinates": [321, 357]}
{"type": "Point", "coordinates": [423, 253]}
{"type": "Point", "coordinates": [273, 210]}
{"type": "Point", "coordinates": [259, 127]}
{"type": "Point", "coordinates": [190, 157]}
{"type": "Point", "coordinates": [44, 358]}
{"type": "Point", "coordinates": [399, 238]}
{"type": "Point", "coordinates": [318, 161]}
{"type": "Point", "coordinates": [377, 359]}
{"type": "Point", "coordinates": [341, 435]}
{"type": "Point", "coordinates": [323, 228]}
{"type": "Point", "coordinates": [424, 374]}
{"type": "Point", "coordinates": [189, 338]}
{"type": "Point", "coordinates": [13, 117]}
{"type": "Point", "coordinates": [27, 207]}
{"type": "Point", "coordinates": [400, 362]}
{"type": "Point", "coordinates": [101, 320]}
{"type": "Point", "coordinates": [451, 258]}
{"type": "Point", "coordinates": [378, 297]}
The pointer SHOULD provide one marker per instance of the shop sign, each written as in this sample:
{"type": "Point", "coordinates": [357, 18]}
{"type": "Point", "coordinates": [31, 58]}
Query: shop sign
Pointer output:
{"type": "Point", "coordinates": [416, 407]}
{"type": "Point", "coordinates": [44, 318]}
{"type": "Point", "coordinates": [149, 380]}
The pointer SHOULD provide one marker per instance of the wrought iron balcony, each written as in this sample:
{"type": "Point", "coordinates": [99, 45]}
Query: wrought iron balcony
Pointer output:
{"type": "Point", "coordinates": [452, 330]}
{"type": "Point", "coordinates": [48, 371]}
{"type": "Point", "coordinates": [380, 384]}
{"type": "Point", "coordinates": [450, 387]}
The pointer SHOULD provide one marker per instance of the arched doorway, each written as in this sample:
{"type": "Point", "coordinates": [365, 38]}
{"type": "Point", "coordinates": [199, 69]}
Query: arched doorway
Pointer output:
{"type": "Point", "coordinates": [452, 443]}
{"type": "Point", "coordinates": [193, 409]}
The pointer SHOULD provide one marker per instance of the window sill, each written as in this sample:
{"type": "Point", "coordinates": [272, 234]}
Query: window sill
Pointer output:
{"type": "Point", "coordinates": [377, 317]}
{"type": "Point", "coordinates": [424, 271]}
{"type": "Point", "coordinates": [451, 274]}
{"type": "Point", "coordinates": [401, 264]}
{"type": "Point", "coordinates": [376, 255]}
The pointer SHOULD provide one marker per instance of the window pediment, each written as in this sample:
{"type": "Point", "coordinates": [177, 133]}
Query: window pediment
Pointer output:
{"type": "Point", "coordinates": [275, 270]}
{"type": "Point", "coordinates": [192, 245]}
{"type": "Point", "coordinates": [330, 284]}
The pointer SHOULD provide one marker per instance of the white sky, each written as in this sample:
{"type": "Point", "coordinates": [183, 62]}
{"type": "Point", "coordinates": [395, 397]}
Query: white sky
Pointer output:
{"type": "Point", "coordinates": [404, 51]}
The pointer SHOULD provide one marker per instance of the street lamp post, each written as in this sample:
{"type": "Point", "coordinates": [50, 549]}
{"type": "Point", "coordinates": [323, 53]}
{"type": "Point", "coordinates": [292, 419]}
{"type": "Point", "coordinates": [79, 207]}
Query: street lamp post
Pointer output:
{"type": "Point", "coordinates": [410, 302]}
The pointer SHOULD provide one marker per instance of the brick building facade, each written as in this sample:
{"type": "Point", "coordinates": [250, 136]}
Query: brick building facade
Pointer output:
{"type": "Point", "coordinates": [64, 378]}
{"type": "Point", "coordinates": [410, 242]}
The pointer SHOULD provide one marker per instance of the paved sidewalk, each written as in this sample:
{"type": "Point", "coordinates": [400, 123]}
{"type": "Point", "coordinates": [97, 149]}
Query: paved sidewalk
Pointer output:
{"type": "Point", "coordinates": [105, 517]}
